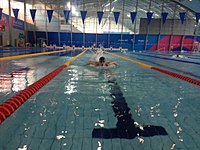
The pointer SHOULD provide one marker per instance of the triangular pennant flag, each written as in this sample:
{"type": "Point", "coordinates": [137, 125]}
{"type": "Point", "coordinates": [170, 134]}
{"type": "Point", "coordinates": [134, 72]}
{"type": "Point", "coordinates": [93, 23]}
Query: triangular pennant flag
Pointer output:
{"type": "Point", "coordinates": [66, 13]}
{"type": "Point", "coordinates": [16, 11]}
{"type": "Point", "coordinates": [83, 15]}
{"type": "Point", "coordinates": [100, 15]}
{"type": "Point", "coordinates": [116, 15]}
{"type": "Point", "coordinates": [33, 11]}
{"type": "Point", "coordinates": [164, 17]}
{"type": "Point", "coordinates": [197, 17]}
{"type": "Point", "coordinates": [49, 14]}
{"type": "Point", "coordinates": [149, 17]}
{"type": "Point", "coordinates": [182, 16]}
{"type": "Point", "coordinates": [1, 9]}
{"type": "Point", "coordinates": [133, 15]}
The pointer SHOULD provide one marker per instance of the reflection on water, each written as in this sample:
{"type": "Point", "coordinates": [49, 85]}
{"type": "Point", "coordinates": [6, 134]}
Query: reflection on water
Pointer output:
{"type": "Point", "coordinates": [138, 110]}
{"type": "Point", "coordinates": [155, 110]}
{"type": "Point", "coordinates": [5, 83]}
{"type": "Point", "coordinates": [71, 83]}
{"type": "Point", "coordinates": [176, 123]}
{"type": "Point", "coordinates": [99, 146]}
{"type": "Point", "coordinates": [100, 123]}
{"type": "Point", "coordinates": [16, 80]}
{"type": "Point", "coordinates": [30, 76]}
{"type": "Point", "coordinates": [19, 80]}
{"type": "Point", "coordinates": [126, 126]}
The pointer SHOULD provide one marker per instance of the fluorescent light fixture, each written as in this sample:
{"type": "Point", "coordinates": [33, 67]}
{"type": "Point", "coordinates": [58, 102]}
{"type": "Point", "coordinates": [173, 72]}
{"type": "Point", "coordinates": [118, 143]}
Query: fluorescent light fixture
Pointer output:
{"type": "Point", "coordinates": [107, 5]}
{"type": "Point", "coordinates": [68, 4]}
{"type": "Point", "coordinates": [74, 11]}
{"type": "Point", "coordinates": [142, 10]}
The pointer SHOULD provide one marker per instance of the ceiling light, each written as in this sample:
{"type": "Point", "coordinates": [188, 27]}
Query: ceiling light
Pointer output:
{"type": "Point", "coordinates": [68, 4]}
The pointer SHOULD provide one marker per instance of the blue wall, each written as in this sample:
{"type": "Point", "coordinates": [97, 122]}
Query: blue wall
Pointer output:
{"type": "Point", "coordinates": [139, 43]}
{"type": "Point", "coordinates": [65, 38]}
{"type": "Point", "coordinates": [114, 40]}
{"type": "Point", "coordinates": [77, 39]}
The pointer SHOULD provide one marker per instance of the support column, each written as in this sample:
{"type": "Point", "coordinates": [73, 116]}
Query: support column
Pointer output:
{"type": "Point", "coordinates": [34, 32]}
{"type": "Point", "coordinates": [45, 8]}
{"type": "Point", "coordinates": [9, 42]}
{"type": "Point", "coordinates": [158, 44]}
{"type": "Point", "coordinates": [109, 27]}
{"type": "Point", "coordinates": [96, 38]}
{"type": "Point", "coordinates": [135, 22]}
{"type": "Point", "coordinates": [172, 33]}
{"type": "Point", "coordinates": [122, 23]}
{"type": "Point", "coordinates": [183, 36]}
{"type": "Point", "coordinates": [195, 36]}
{"type": "Point", "coordinates": [71, 23]}
{"type": "Point", "coordinates": [25, 25]}
{"type": "Point", "coordinates": [146, 39]}
{"type": "Point", "coordinates": [58, 24]}
{"type": "Point", "coordinates": [83, 26]}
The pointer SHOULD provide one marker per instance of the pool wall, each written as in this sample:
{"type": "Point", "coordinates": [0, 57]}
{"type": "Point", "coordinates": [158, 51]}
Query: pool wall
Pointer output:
{"type": "Point", "coordinates": [140, 42]}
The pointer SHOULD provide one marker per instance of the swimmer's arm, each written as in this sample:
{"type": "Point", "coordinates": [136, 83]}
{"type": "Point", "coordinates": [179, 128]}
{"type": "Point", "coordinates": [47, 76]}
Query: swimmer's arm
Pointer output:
{"type": "Point", "coordinates": [92, 63]}
{"type": "Point", "coordinates": [113, 63]}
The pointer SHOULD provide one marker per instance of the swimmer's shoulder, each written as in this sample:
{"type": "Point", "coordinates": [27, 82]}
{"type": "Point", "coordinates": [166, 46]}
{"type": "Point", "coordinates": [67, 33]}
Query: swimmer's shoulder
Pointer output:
{"type": "Point", "coordinates": [94, 63]}
{"type": "Point", "coordinates": [112, 63]}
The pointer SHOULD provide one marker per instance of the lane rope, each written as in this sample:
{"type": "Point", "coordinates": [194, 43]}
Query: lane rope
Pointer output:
{"type": "Point", "coordinates": [172, 74]}
{"type": "Point", "coordinates": [11, 105]}
{"type": "Point", "coordinates": [167, 58]}
{"type": "Point", "coordinates": [32, 55]}
{"type": "Point", "coordinates": [131, 60]}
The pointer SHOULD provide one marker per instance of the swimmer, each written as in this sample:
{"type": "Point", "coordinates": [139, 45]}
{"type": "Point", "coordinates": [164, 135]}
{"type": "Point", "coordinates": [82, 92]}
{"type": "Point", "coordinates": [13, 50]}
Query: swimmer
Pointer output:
{"type": "Point", "coordinates": [178, 56]}
{"type": "Point", "coordinates": [97, 55]}
{"type": "Point", "coordinates": [102, 62]}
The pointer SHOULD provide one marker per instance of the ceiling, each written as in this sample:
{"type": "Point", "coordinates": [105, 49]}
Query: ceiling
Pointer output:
{"type": "Point", "coordinates": [173, 7]}
{"type": "Point", "coordinates": [193, 5]}
{"type": "Point", "coordinates": [155, 6]}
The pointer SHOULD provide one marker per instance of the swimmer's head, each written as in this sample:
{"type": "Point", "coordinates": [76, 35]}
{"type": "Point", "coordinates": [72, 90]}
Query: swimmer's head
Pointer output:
{"type": "Point", "coordinates": [102, 59]}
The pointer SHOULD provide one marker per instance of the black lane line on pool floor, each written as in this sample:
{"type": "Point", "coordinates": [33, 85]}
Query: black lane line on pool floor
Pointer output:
{"type": "Point", "coordinates": [125, 127]}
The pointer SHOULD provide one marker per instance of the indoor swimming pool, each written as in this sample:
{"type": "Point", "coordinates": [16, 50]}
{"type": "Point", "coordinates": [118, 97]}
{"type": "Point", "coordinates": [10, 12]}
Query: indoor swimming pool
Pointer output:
{"type": "Point", "coordinates": [127, 107]}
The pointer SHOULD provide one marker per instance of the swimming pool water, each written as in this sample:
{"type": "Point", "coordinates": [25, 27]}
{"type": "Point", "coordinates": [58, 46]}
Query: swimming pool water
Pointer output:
{"type": "Point", "coordinates": [71, 110]}
{"type": "Point", "coordinates": [187, 66]}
